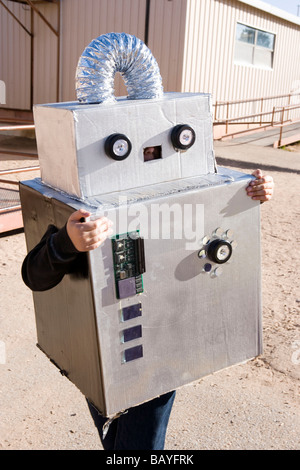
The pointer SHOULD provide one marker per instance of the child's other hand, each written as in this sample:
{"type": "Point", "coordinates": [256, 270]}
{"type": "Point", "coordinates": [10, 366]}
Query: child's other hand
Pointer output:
{"type": "Point", "coordinates": [261, 188]}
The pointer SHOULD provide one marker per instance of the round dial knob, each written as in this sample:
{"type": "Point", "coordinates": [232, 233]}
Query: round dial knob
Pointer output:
{"type": "Point", "coordinates": [118, 146]}
{"type": "Point", "coordinates": [219, 251]}
{"type": "Point", "coordinates": [183, 136]}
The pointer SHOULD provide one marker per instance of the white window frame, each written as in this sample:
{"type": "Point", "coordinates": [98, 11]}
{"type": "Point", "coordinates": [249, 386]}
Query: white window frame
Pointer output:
{"type": "Point", "coordinates": [255, 47]}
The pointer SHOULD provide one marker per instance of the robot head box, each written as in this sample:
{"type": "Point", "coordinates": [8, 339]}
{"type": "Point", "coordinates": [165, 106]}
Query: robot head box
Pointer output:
{"type": "Point", "coordinates": [100, 143]}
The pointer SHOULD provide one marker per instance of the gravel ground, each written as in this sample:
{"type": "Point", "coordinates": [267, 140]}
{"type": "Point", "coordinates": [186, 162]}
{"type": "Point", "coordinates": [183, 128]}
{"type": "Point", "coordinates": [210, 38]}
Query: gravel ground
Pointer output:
{"type": "Point", "coordinates": [249, 406]}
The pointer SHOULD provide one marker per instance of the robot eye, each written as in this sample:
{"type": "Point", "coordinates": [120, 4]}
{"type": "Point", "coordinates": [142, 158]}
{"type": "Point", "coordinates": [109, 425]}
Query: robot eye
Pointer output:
{"type": "Point", "coordinates": [183, 137]}
{"type": "Point", "coordinates": [117, 146]}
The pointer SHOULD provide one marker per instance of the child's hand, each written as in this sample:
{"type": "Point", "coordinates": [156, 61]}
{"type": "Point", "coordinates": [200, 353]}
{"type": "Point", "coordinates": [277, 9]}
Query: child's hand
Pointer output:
{"type": "Point", "coordinates": [262, 188]}
{"type": "Point", "coordinates": [87, 236]}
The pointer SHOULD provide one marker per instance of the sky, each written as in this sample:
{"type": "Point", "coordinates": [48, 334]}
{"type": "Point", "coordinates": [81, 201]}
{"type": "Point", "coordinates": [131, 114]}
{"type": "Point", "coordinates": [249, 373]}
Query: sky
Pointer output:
{"type": "Point", "coordinates": [291, 6]}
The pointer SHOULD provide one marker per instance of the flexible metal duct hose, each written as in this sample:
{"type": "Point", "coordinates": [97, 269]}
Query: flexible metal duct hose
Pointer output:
{"type": "Point", "coordinates": [112, 53]}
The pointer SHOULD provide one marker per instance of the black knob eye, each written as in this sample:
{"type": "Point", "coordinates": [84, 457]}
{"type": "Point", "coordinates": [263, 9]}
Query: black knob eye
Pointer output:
{"type": "Point", "coordinates": [183, 137]}
{"type": "Point", "coordinates": [219, 251]}
{"type": "Point", "coordinates": [117, 146]}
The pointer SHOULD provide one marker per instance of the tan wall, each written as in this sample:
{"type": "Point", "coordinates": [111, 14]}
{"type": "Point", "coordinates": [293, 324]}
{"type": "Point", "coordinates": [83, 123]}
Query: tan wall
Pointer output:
{"type": "Point", "coordinates": [209, 53]}
{"type": "Point", "coordinates": [81, 22]}
{"type": "Point", "coordinates": [192, 40]}
{"type": "Point", "coordinates": [85, 20]}
{"type": "Point", "coordinates": [166, 39]}
{"type": "Point", "coordinates": [15, 55]}
{"type": "Point", "coordinates": [45, 55]}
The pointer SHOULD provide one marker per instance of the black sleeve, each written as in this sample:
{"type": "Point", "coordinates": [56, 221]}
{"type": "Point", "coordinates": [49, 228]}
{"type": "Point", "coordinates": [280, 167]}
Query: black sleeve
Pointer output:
{"type": "Point", "coordinates": [47, 263]}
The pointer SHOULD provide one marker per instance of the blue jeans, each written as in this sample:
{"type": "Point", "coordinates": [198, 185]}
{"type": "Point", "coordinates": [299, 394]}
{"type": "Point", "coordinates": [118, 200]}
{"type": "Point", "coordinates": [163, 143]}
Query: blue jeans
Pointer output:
{"type": "Point", "coordinates": [143, 427]}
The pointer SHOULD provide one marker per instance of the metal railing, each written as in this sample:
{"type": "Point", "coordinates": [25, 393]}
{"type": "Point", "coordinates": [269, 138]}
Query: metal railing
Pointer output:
{"type": "Point", "coordinates": [254, 117]}
{"type": "Point", "coordinates": [8, 206]}
{"type": "Point", "coordinates": [259, 118]}
{"type": "Point", "coordinates": [13, 182]}
{"type": "Point", "coordinates": [14, 127]}
{"type": "Point", "coordinates": [261, 100]}
{"type": "Point", "coordinates": [286, 123]}
{"type": "Point", "coordinates": [16, 170]}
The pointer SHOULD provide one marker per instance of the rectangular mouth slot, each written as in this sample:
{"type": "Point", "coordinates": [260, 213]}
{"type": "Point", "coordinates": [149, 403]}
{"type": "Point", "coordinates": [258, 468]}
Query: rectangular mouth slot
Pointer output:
{"type": "Point", "coordinates": [152, 153]}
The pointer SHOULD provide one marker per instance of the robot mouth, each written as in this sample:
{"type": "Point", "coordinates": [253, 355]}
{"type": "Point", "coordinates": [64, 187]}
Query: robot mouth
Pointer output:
{"type": "Point", "coordinates": [112, 53]}
{"type": "Point", "coordinates": [152, 153]}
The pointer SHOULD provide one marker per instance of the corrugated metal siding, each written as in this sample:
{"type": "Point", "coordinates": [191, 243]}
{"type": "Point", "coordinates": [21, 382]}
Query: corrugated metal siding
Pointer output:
{"type": "Point", "coordinates": [82, 21]}
{"type": "Point", "coordinates": [166, 39]}
{"type": "Point", "coordinates": [192, 40]}
{"type": "Point", "coordinates": [15, 55]}
{"type": "Point", "coordinates": [45, 55]}
{"type": "Point", "coordinates": [209, 52]}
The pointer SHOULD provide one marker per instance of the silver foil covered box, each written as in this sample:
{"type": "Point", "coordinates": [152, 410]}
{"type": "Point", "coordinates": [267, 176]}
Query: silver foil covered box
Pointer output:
{"type": "Point", "coordinates": [137, 321]}
{"type": "Point", "coordinates": [71, 139]}
{"type": "Point", "coordinates": [175, 293]}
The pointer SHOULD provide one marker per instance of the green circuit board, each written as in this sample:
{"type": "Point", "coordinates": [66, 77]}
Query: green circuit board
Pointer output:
{"type": "Point", "coordinates": [129, 263]}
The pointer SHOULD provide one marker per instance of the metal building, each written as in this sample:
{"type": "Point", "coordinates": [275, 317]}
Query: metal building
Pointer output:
{"type": "Point", "coordinates": [234, 49]}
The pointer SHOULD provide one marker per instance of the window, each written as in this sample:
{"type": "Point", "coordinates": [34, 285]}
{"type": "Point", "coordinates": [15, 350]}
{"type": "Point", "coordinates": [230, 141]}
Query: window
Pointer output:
{"type": "Point", "coordinates": [254, 47]}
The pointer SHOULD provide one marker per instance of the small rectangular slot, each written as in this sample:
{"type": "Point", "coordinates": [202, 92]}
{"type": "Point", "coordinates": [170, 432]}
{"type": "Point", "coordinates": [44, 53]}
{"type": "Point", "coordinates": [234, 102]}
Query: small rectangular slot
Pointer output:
{"type": "Point", "coordinates": [152, 153]}
{"type": "Point", "coordinates": [140, 255]}
{"type": "Point", "coordinates": [131, 333]}
{"type": "Point", "coordinates": [132, 353]}
{"type": "Point", "coordinates": [133, 311]}
{"type": "Point", "coordinates": [126, 287]}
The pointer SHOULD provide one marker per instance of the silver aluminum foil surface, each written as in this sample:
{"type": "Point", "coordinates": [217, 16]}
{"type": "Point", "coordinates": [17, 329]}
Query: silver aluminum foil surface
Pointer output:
{"type": "Point", "coordinates": [112, 53]}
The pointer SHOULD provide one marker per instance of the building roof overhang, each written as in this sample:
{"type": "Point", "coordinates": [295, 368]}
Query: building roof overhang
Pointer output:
{"type": "Point", "coordinates": [264, 6]}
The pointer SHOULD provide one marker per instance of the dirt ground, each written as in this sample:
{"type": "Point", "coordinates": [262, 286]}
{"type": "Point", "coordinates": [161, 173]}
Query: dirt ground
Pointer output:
{"type": "Point", "coordinates": [250, 406]}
